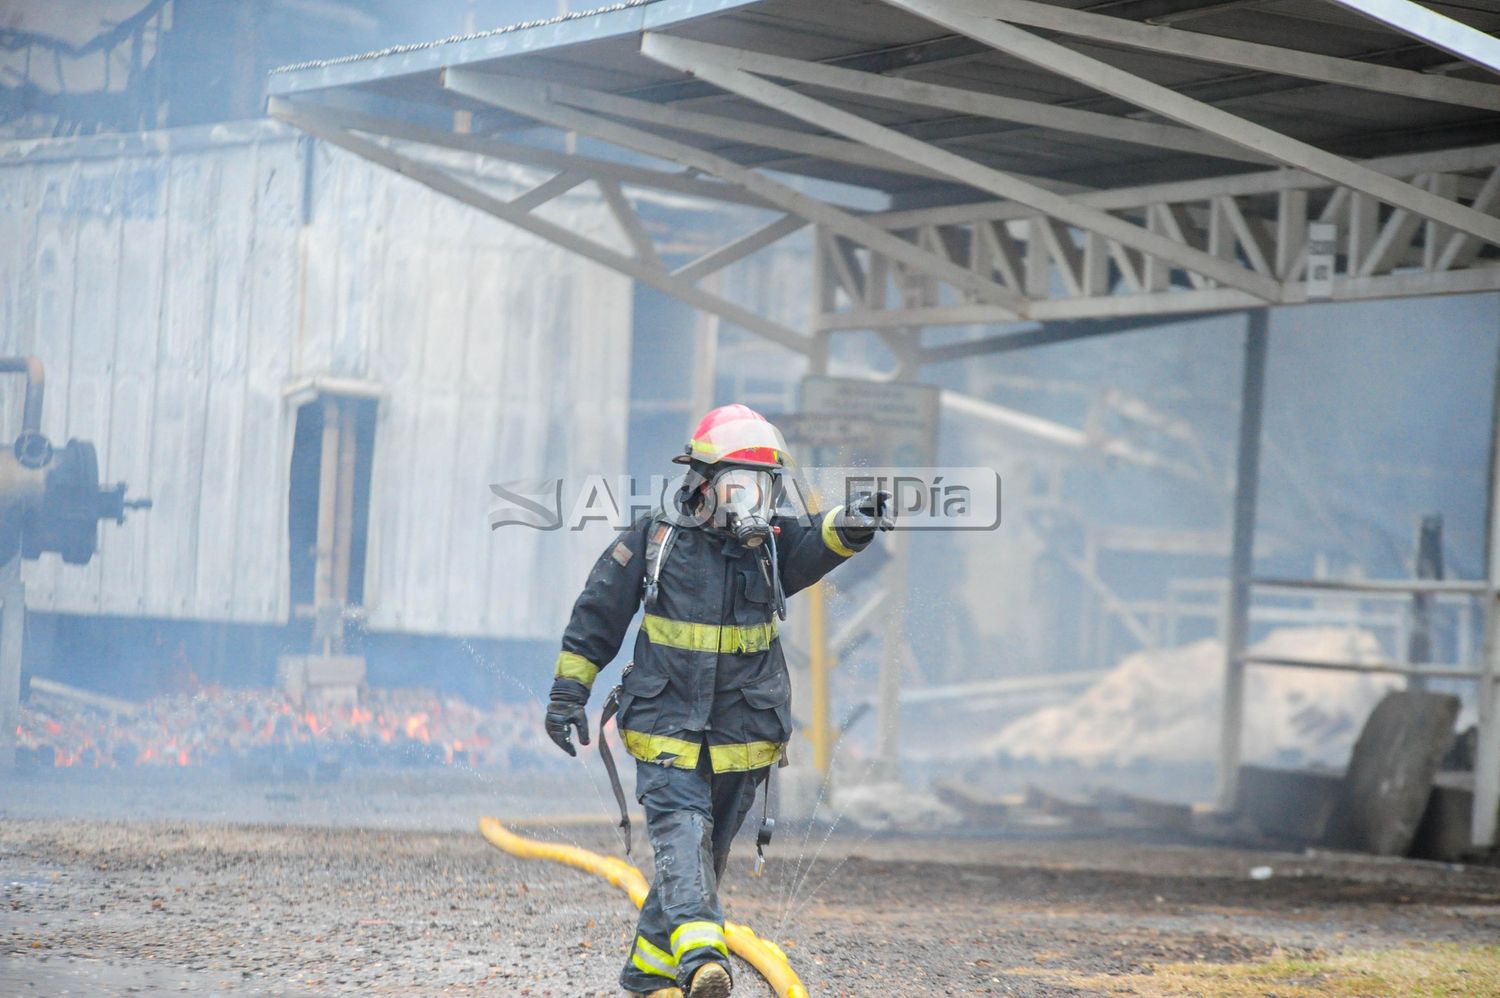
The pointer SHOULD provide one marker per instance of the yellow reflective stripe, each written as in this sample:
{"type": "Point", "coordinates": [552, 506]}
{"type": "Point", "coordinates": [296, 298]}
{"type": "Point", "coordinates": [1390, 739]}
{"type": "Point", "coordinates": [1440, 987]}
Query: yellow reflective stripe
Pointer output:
{"type": "Point", "coordinates": [653, 959]}
{"type": "Point", "coordinates": [736, 639]}
{"type": "Point", "coordinates": [831, 535]}
{"type": "Point", "coordinates": [712, 451]}
{"type": "Point", "coordinates": [743, 758]}
{"type": "Point", "coordinates": [572, 666]}
{"type": "Point", "coordinates": [698, 935]}
{"type": "Point", "coordinates": [651, 748]}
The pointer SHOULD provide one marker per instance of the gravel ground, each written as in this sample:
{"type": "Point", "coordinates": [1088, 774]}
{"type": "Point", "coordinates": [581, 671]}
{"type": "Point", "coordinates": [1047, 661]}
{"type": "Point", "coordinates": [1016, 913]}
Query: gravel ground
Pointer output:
{"type": "Point", "coordinates": [206, 906]}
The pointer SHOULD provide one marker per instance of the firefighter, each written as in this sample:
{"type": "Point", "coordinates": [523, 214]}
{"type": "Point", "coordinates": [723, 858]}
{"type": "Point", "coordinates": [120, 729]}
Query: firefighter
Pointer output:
{"type": "Point", "coordinates": [705, 705]}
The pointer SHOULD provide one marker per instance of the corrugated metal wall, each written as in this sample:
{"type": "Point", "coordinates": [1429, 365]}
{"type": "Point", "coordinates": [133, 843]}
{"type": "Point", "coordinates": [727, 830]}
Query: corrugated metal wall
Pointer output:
{"type": "Point", "coordinates": [176, 284]}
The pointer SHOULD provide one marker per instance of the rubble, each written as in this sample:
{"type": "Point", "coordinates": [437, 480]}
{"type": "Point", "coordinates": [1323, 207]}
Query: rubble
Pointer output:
{"type": "Point", "coordinates": [891, 806]}
{"type": "Point", "coordinates": [1164, 705]}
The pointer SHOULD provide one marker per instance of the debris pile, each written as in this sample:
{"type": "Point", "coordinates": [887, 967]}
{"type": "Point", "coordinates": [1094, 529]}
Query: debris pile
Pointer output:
{"type": "Point", "coordinates": [400, 727]}
{"type": "Point", "coordinates": [1165, 705]}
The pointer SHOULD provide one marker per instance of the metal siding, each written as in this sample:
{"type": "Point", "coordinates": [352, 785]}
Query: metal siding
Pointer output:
{"type": "Point", "coordinates": [173, 293]}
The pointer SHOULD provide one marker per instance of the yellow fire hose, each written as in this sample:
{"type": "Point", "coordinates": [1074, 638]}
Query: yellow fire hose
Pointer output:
{"type": "Point", "coordinates": [762, 954]}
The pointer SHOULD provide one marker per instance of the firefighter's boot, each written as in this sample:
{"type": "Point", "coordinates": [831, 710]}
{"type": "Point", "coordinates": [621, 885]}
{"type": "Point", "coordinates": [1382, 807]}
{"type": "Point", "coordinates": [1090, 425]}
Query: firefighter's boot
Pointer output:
{"type": "Point", "coordinates": [710, 981]}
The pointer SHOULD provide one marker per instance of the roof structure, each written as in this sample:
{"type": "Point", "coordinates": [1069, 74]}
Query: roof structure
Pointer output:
{"type": "Point", "coordinates": [1049, 161]}
{"type": "Point", "coordinates": [1090, 165]}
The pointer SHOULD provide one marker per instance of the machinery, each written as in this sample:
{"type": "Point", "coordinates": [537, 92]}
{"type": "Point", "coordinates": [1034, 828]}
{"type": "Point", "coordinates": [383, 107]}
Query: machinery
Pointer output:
{"type": "Point", "coordinates": [51, 498]}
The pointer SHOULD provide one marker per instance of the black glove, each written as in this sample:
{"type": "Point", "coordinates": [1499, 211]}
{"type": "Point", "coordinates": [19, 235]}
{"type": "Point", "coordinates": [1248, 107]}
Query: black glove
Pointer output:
{"type": "Point", "coordinates": [865, 514]}
{"type": "Point", "coordinates": [565, 711]}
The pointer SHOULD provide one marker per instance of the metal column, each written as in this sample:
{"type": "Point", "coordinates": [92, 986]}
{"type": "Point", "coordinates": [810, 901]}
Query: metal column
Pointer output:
{"type": "Point", "coordinates": [1487, 761]}
{"type": "Point", "coordinates": [1237, 610]}
{"type": "Point", "coordinates": [12, 626]}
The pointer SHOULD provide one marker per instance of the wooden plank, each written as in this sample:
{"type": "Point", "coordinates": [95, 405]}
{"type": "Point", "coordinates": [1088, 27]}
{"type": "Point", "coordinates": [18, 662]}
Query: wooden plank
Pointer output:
{"type": "Point", "coordinates": [261, 592]}
{"type": "Point", "coordinates": [224, 422]}
{"type": "Point", "coordinates": [312, 353]}
{"type": "Point", "coordinates": [123, 547]}
{"type": "Point", "coordinates": [182, 385]}
{"type": "Point", "coordinates": [359, 230]}
{"type": "Point", "coordinates": [395, 362]}
{"type": "Point", "coordinates": [51, 337]}
{"type": "Point", "coordinates": [468, 595]}
{"type": "Point", "coordinates": [431, 471]}
{"type": "Point", "coordinates": [95, 194]}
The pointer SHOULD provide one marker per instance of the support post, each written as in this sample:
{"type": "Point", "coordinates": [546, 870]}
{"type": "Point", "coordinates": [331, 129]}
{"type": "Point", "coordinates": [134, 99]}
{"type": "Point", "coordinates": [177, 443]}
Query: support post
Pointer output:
{"type": "Point", "coordinates": [1487, 756]}
{"type": "Point", "coordinates": [892, 661]}
{"type": "Point", "coordinates": [1237, 609]}
{"type": "Point", "coordinates": [12, 626]}
{"type": "Point", "coordinates": [819, 654]}
{"type": "Point", "coordinates": [328, 476]}
{"type": "Point", "coordinates": [343, 526]}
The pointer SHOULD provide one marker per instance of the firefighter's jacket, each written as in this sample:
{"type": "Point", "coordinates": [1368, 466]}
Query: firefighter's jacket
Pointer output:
{"type": "Point", "coordinates": [708, 665]}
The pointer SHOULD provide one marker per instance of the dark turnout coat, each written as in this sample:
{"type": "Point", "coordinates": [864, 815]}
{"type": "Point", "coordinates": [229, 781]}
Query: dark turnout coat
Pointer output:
{"type": "Point", "coordinates": [708, 665]}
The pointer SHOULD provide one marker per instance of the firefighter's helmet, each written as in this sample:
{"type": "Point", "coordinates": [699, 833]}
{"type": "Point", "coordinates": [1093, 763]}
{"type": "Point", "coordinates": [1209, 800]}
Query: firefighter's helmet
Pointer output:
{"type": "Point", "coordinates": [735, 434]}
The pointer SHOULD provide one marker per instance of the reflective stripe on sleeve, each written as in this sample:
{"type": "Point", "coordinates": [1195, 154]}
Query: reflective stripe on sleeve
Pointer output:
{"type": "Point", "coordinates": [653, 959]}
{"type": "Point", "coordinates": [735, 639]}
{"type": "Point", "coordinates": [574, 666]}
{"type": "Point", "coordinates": [698, 935]}
{"type": "Point", "coordinates": [831, 534]}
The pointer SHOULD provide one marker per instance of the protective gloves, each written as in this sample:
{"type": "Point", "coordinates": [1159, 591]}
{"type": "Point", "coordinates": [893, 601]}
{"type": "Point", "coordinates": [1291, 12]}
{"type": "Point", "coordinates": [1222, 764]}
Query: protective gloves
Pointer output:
{"type": "Point", "coordinates": [865, 514]}
{"type": "Point", "coordinates": [565, 710]}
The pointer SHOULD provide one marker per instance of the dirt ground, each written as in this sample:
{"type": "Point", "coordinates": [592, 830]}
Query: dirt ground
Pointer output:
{"type": "Point", "coordinates": [200, 906]}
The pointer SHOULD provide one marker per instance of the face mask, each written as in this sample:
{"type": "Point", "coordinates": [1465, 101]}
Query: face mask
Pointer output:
{"type": "Point", "coordinates": [743, 503]}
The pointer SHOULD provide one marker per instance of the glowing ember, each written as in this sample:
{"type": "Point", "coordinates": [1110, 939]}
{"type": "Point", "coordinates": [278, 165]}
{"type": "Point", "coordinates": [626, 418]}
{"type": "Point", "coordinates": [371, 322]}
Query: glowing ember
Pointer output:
{"type": "Point", "coordinates": [215, 725]}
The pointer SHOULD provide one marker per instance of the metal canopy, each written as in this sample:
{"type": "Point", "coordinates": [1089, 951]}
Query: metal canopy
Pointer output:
{"type": "Point", "coordinates": [1047, 161]}
{"type": "Point", "coordinates": [1107, 160]}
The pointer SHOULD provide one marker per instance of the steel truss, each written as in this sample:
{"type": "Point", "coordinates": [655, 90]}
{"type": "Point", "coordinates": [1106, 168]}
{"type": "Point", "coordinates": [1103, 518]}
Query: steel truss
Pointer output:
{"type": "Point", "coordinates": [1081, 262]}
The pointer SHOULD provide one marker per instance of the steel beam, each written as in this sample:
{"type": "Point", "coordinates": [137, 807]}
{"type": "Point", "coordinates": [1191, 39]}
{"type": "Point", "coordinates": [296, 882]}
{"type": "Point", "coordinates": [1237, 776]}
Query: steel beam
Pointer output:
{"type": "Point", "coordinates": [994, 106]}
{"type": "Point", "coordinates": [752, 242]}
{"type": "Point", "coordinates": [630, 223]}
{"type": "Point", "coordinates": [801, 144]}
{"type": "Point", "coordinates": [1243, 55]}
{"type": "Point", "coordinates": [534, 101]}
{"type": "Point", "coordinates": [327, 126]}
{"type": "Point", "coordinates": [1241, 560]}
{"type": "Point", "coordinates": [1045, 336]}
{"type": "Point", "coordinates": [1050, 56]}
{"type": "Point", "coordinates": [692, 57]}
{"type": "Point", "coordinates": [1177, 191]}
{"type": "Point", "coordinates": [526, 155]}
{"type": "Point", "coordinates": [1437, 30]}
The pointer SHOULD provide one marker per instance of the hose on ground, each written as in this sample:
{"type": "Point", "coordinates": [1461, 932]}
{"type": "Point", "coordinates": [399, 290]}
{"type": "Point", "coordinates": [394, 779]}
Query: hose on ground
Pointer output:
{"type": "Point", "coordinates": [762, 954]}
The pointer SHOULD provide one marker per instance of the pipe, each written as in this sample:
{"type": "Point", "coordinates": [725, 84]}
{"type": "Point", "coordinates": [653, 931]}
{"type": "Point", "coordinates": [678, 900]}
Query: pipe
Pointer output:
{"type": "Point", "coordinates": [36, 383]}
{"type": "Point", "coordinates": [762, 954]}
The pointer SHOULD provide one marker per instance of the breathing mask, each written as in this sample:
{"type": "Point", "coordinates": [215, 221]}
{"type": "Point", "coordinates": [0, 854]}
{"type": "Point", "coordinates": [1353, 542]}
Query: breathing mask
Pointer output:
{"type": "Point", "coordinates": [743, 501]}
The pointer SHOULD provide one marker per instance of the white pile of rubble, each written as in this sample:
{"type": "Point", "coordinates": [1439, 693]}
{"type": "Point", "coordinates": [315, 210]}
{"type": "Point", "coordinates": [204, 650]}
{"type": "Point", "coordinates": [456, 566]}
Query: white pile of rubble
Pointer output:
{"type": "Point", "coordinates": [1165, 705]}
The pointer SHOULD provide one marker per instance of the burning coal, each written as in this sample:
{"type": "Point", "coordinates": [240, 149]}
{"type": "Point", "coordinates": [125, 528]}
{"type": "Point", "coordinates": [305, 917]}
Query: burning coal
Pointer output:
{"type": "Point", "coordinates": [216, 726]}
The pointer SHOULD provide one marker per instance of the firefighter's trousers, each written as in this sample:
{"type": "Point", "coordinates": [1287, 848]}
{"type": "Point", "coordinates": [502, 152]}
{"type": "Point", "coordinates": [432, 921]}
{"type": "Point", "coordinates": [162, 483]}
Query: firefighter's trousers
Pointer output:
{"type": "Point", "coordinates": [692, 816]}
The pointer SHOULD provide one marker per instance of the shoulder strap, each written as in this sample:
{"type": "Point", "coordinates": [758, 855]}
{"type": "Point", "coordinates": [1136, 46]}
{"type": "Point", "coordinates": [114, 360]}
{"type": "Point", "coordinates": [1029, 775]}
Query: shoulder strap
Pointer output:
{"type": "Point", "coordinates": [660, 534]}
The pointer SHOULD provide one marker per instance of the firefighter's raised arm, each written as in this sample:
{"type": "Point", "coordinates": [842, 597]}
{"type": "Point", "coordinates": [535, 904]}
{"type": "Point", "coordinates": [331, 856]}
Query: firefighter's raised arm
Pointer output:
{"type": "Point", "coordinates": [810, 550]}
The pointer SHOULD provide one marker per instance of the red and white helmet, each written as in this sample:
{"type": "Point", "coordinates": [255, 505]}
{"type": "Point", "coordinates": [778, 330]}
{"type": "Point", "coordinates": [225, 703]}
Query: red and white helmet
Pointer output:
{"type": "Point", "coordinates": [736, 434]}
